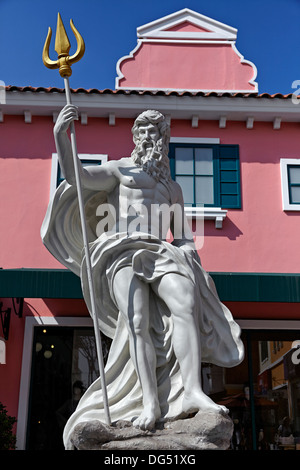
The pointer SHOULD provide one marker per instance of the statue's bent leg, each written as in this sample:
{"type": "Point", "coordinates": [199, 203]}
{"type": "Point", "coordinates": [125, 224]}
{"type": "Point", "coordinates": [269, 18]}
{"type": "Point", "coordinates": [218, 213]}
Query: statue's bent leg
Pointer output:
{"type": "Point", "coordinates": [178, 294]}
{"type": "Point", "coordinates": [132, 296]}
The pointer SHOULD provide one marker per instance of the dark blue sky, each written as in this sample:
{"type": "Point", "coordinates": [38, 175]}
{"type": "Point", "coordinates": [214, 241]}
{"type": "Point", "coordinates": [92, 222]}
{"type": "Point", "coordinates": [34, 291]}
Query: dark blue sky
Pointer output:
{"type": "Point", "coordinates": [268, 35]}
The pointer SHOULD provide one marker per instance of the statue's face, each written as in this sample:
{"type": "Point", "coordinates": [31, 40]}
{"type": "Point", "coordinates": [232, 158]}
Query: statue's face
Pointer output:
{"type": "Point", "coordinates": [148, 135]}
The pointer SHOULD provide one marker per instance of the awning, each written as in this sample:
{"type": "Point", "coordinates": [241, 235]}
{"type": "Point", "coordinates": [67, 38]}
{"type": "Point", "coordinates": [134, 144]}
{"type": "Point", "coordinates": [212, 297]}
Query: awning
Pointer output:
{"type": "Point", "coordinates": [39, 283]}
{"type": "Point", "coordinates": [257, 287]}
{"type": "Point", "coordinates": [231, 287]}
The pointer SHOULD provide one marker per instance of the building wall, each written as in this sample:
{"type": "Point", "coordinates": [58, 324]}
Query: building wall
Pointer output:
{"type": "Point", "coordinates": [260, 237]}
{"type": "Point", "coordinates": [155, 65]}
{"type": "Point", "coordinates": [25, 171]}
{"type": "Point", "coordinates": [10, 372]}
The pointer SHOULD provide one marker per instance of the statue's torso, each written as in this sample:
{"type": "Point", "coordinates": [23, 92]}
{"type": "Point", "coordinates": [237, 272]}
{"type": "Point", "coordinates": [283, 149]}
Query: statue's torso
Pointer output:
{"type": "Point", "coordinates": [137, 198]}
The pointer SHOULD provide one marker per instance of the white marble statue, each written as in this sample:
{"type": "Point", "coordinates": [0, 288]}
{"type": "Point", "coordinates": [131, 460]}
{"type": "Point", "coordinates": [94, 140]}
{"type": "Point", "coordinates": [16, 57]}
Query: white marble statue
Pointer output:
{"type": "Point", "coordinates": [153, 297]}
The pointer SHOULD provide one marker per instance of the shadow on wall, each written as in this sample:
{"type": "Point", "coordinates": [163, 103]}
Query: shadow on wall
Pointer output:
{"type": "Point", "coordinates": [229, 229]}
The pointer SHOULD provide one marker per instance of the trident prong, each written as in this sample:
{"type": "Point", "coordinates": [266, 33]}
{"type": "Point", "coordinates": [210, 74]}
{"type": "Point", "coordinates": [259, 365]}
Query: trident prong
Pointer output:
{"type": "Point", "coordinates": [62, 47]}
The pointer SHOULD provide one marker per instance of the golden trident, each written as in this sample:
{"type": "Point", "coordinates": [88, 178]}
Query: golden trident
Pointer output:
{"type": "Point", "coordinates": [64, 62]}
{"type": "Point", "coordinates": [62, 47]}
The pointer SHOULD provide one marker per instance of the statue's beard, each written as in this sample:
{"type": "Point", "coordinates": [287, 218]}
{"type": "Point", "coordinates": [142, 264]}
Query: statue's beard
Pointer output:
{"type": "Point", "coordinates": [148, 154]}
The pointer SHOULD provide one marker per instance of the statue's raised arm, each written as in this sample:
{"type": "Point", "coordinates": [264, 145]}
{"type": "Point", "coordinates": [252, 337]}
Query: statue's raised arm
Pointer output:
{"type": "Point", "coordinates": [96, 177]}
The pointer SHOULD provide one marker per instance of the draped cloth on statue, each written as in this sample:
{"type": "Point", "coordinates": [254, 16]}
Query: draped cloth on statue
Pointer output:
{"type": "Point", "coordinates": [150, 259]}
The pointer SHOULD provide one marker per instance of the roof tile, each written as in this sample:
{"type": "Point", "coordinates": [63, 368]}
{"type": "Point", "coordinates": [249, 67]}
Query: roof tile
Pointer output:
{"type": "Point", "coordinates": [15, 88]}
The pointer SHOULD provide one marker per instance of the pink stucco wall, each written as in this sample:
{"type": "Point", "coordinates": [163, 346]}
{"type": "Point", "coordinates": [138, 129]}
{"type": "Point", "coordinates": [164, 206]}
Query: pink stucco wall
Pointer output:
{"type": "Point", "coordinates": [258, 238]}
{"type": "Point", "coordinates": [186, 66]}
{"type": "Point", "coordinates": [25, 170]}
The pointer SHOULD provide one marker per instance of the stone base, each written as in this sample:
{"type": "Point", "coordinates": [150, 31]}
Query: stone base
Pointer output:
{"type": "Point", "coordinates": [204, 431]}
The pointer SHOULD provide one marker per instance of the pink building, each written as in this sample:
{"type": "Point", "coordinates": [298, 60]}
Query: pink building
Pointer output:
{"type": "Point", "coordinates": [235, 153]}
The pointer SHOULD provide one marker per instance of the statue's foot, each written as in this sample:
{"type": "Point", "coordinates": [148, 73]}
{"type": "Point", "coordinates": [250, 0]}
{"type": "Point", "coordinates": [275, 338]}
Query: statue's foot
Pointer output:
{"type": "Point", "coordinates": [199, 401]}
{"type": "Point", "coordinates": [147, 419]}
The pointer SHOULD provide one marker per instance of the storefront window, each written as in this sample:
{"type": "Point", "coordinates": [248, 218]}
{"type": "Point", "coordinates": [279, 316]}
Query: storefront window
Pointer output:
{"type": "Point", "coordinates": [64, 364]}
{"type": "Point", "coordinates": [276, 391]}
{"type": "Point", "coordinates": [262, 393]}
{"type": "Point", "coordinates": [265, 409]}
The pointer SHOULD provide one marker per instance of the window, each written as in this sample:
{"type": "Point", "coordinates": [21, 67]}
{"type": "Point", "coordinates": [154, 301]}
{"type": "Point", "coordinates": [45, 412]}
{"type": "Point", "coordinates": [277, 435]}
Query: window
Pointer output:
{"type": "Point", "coordinates": [194, 172]}
{"type": "Point", "coordinates": [86, 159]}
{"type": "Point", "coordinates": [290, 181]}
{"type": "Point", "coordinates": [264, 351]}
{"type": "Point", "coordinates": [208, 174]}
{"type": "Point", "coordinates": [294, 183]}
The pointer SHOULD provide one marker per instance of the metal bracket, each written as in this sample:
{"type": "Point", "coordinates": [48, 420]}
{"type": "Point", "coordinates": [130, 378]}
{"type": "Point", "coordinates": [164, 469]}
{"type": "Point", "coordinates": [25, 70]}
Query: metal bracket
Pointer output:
{"type": "Point", "coordinates": [6, 314]}
{"type": "Point", "coordinates": [5, 320]}
{"type": "Point", "coordinates": [20, 302]}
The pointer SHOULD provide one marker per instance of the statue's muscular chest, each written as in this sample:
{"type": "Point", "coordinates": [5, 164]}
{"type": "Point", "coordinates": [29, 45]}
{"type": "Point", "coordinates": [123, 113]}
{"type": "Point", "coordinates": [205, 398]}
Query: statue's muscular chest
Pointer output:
{"type": "Point", "coordinates": [137, 185]}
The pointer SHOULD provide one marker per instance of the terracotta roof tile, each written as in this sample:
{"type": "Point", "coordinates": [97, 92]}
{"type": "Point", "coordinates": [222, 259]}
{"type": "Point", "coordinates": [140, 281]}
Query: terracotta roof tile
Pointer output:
{"type": "Point", "coordinates": [148, 92]}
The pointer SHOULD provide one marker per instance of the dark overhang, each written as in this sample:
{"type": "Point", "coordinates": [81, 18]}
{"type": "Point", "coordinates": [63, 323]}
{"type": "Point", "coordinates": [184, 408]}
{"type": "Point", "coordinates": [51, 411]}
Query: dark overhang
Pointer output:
{"type": "Point", "coordinates": [39, 283]}
{"type": "Point", "coordinates": [231, 287]}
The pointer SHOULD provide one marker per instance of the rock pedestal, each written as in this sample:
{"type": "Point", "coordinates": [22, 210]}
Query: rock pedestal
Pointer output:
{"type": "Point", "coordinates": [204, 431]}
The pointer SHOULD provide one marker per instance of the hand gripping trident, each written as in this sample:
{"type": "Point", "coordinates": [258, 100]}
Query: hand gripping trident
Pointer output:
{"type": "Point", "coordinates": [64, 62]}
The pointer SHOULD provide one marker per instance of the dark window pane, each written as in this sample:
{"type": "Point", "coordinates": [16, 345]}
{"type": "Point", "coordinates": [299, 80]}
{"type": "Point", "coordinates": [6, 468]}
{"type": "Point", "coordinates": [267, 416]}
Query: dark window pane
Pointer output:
{"type": "Point", "coordinates": [204, 161]}
{"type": "Point", "coordinates": [295, 194]}
{"type": "Point", "coordinates": [184, 163]}
{"type": "Point", "coordinates": [204, 189]}
{"type": "Point", "coordinates": [294, 173]}
{"type": "Point", "coordinates": [187, 186]}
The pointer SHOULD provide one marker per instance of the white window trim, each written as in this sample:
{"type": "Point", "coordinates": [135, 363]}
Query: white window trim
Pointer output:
{"type": "Point", "coordinates": [2, 351]}
{"type": "Point", "coordinates": [194, 140]}
{"type": "Point", "coordinates": [208, 213]}
{"type": "Point", "coordinates": [30, 323]}
{"type": "Point", "coordinates": [98, 157]}
{"type": "Point", "coordinates": [284, 162]}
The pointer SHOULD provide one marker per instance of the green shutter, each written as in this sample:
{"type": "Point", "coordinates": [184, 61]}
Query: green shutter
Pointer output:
{"type": "Point", "coordinates": [172, 160]}
{"type": "Point", "coordinates": [229, 176]}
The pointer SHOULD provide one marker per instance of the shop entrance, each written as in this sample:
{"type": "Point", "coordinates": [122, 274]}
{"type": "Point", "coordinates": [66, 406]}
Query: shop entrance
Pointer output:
{"type": "Point", "coordinates": [64, 364]}
{"type": "Point", "coordinates": [262, 394]}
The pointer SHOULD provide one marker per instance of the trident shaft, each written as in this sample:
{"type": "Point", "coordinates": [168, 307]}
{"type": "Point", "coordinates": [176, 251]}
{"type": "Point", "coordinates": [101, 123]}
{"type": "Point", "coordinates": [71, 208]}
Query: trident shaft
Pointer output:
{"type": "Point", "coordinates": [64, 62]}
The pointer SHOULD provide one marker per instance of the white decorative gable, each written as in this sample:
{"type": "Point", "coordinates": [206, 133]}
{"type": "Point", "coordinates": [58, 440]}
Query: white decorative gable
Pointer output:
{"type": "Point", "coordinates": [186, 51]}
{"type": "Point", "coordinates": [187, 24]}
